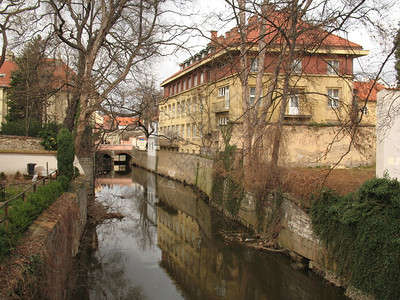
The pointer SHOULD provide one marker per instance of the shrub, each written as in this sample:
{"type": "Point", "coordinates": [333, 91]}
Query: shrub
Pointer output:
{"type": "Point", "coordinates": [49, 135]}
{"type": "Point", "coordinates": [362, 232]}
{"type": "Point", "coordinates": [22, 214]}
{"type": "Point", "coordinates": [65, 153]}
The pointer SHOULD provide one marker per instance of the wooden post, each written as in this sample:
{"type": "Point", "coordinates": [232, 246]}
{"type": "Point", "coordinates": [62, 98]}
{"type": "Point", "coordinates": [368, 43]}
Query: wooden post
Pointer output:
{"type": "Point", "coordinates": [23, 197]}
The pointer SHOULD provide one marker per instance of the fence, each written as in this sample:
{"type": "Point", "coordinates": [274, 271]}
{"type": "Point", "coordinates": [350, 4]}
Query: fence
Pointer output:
{"type": "Point", "coordinates": [6, 204]}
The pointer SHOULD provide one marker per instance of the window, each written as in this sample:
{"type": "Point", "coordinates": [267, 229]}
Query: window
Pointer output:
{"type": "Point", "coordinates": [189, 83]}
{"type": "Point", "coordinates": [173, 110]}
{"type": "Point", "coordinates": [223, 91]}
{"type": "Point", "coordinates": [364, 110]}
{"type": "Point", "coordinates": [294, 104]}
{"type": "Point", "coordinates": [178, 133]}
{"type": "Point", "coordinates": [297, 67]}
{"type": "Point", "coordinates": [223, 121]}
{"type": "Point", "coordinates": [178, 114]}
{"type": "Point", "coordinates": [188, 131]}
{"type": "Point", "coordinates": [194, 80]}
{"type": "Point", "coordinates": [201, 78]}
{"type": "Point", "coordinates": [254, 65]}
{"type": "Point", "coordinates": [333, 97]}
{"type": "Point", "coordinates": [194, 131]}
{"type": "Point", "coordinates": [2, 75]}
{"type": "Point", "coordinates": [189, 103]}
{"type": "Point", "coordinates": [252, 95]}
{"type": "Point", "coordinates": [183, 109]}
{"type": "Point", "coordinates": [332, 67]}
{"type": "Point", "coordinates": [184, 85]}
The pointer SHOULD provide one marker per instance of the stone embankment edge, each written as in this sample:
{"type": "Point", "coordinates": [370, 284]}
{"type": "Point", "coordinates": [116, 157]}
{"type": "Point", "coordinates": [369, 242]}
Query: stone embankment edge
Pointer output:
{"type": "Point", "coordinates": [54, 239]}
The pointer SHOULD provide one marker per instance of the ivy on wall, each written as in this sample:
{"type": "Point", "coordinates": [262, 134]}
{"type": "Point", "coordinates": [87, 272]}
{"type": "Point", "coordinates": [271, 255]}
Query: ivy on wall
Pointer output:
{"type": "Point", "coordinates": [362, 233]}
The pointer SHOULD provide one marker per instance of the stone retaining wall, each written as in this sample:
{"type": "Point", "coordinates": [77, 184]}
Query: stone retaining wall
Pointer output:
{"type": "Point", "coordinates": [14, 142]}
{"type": "Point", "coordinates": [190, 168]}
{"type": "Point", "coordinates": [54, 237]}
{"type": "Point", "coordinates": [296, 234]}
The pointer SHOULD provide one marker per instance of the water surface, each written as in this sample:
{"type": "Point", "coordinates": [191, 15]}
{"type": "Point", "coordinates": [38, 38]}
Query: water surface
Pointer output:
{"type": "Point", "coordinates": [168, 247]}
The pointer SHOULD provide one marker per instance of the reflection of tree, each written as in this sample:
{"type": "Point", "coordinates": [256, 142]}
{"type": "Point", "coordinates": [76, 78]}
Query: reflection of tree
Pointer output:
{"type": "Point", "coordinates": [109, 281]}
{"type": "Point", "coordinates": [146, 230]}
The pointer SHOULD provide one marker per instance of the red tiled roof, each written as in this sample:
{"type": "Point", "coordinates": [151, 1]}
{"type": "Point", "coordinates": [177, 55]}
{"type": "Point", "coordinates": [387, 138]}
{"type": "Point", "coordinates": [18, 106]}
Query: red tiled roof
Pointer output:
{"type": "Point", "coordinates": [62, 73]}
{"type": "Point", "coordinates": [119, 121]}
{"type": "Point", "coordinates": [6, 69]}
{"type": "Point", "coordinates": [367, 90]}
{"type": "Point", "coordinates": [309, 37]}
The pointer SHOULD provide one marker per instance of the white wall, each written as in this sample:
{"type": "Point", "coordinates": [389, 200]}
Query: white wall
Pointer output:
{"type": "Point", "coordinates": [388, 133]}
{"type": "Point", "coordinates": [10, 163]}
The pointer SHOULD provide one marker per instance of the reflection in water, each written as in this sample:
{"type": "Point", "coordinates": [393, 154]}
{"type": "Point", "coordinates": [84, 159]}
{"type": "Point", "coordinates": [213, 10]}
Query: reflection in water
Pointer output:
{"type": "Point", "coordinates": [167, 248]}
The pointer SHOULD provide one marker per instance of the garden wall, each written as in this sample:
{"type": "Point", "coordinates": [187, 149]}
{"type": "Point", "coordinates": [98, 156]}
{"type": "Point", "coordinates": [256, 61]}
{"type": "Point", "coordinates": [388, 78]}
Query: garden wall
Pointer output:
{"type": "Point", "coordinates": [16, 152]}
{"type": "Point", "coordinates": [54, 238]}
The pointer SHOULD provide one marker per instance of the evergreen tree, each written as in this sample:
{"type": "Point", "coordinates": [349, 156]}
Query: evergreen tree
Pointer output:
{"type": "Point", "coordinates": [31, 84]}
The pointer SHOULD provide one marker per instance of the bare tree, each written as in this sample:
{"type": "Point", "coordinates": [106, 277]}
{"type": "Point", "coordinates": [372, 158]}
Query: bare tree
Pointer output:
{"type": "Point", "coordinates": [12, 17]}
{"type": "Point", "coordinates": [110, 39]}
{"type": "Point", "coordinates": [289, 30]}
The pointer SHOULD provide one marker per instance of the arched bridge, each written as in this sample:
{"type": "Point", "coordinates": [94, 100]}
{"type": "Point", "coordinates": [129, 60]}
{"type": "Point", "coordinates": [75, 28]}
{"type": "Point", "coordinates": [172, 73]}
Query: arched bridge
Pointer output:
{"type": "Point", "coordinates": [113, 157]}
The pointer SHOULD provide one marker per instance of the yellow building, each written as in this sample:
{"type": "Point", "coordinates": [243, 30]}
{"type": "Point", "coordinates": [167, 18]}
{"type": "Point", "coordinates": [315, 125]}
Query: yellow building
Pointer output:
{"type": "Point", "coordinates": [207, 92]}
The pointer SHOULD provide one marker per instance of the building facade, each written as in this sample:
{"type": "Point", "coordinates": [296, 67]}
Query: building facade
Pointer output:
{"type": "Point", "coordinates": [55, 103]}
{"type": "Point", "coordinates": [207, 93]}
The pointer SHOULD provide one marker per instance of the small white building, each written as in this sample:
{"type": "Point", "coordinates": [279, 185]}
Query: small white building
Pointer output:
{"type": "Point", "coordinates": [388, 133]}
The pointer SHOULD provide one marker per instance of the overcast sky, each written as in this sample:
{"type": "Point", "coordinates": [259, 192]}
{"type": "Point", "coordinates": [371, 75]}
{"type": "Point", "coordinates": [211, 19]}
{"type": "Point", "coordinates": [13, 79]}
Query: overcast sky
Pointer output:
{"type": "Point", "coordinates": [202, 14]}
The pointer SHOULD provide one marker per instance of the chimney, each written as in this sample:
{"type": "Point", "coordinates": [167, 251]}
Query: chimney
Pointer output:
{"type": "Point", "coordinates": [10, 55]}
{"type": "Point", "coordinates": [214, 36]}
{"type": "Point", "coordinates": [253, 20]}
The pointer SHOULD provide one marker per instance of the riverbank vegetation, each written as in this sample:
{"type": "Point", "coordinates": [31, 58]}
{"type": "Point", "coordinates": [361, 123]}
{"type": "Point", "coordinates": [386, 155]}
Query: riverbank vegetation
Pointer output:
{"type": "Point", "coordinates": [362, 233]}
{"type": "Point", "coordinates": [23, 213]}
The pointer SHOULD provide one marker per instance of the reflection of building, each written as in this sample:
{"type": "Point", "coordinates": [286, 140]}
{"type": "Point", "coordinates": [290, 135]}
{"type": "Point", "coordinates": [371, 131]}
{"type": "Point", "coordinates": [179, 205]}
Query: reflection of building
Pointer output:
{"type": "Point", "coordinates": [192, 264]}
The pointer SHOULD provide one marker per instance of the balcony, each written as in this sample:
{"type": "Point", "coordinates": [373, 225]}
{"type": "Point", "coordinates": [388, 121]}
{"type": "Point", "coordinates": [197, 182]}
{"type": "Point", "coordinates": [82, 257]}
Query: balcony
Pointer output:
{"type": "Point", "coordinates": [300, 119]}
{"type": "Point", "coordinates": [219, 106]}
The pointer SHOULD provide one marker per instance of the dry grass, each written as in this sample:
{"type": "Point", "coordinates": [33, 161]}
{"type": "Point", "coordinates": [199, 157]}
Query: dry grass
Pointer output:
{"type": "Point", "coordinates": [304, 182]}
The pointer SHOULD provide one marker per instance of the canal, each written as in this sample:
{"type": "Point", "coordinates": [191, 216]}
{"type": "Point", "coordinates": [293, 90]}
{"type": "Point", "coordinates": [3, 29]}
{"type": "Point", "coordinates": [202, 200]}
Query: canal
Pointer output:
{"type": "Point", "coordinates": [167, 247]}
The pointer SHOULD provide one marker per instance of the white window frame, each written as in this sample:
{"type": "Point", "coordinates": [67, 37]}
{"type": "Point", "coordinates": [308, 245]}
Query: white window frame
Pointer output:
{"type": "Point", "coordinates": [188, 131]}
{"type": "Point", "coordinates": [201, 77]}
{"type": "Point", "coordinates": [252, 95]}
{"type": "Point", "coordinates": [254, 64]}
{"type": "Point", "coordinates": [332, 67]}
{"type": "Point", "coordinates": [333, 97]}
{"type": "Point", "coordinates": [223, 121]}
{"type": "Point", "coordinates": [195, 80]}
{"type": "Point", "coordinates": [223, 91]}
{"type": "Point", "coordinates": [297, 66]}
{"type": "Point", "coordinates": [365, 110]}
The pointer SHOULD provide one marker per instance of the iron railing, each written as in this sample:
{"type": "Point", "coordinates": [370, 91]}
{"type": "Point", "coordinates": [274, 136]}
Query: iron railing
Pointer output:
{"type": "Point", "coordinates": [6, 203]}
